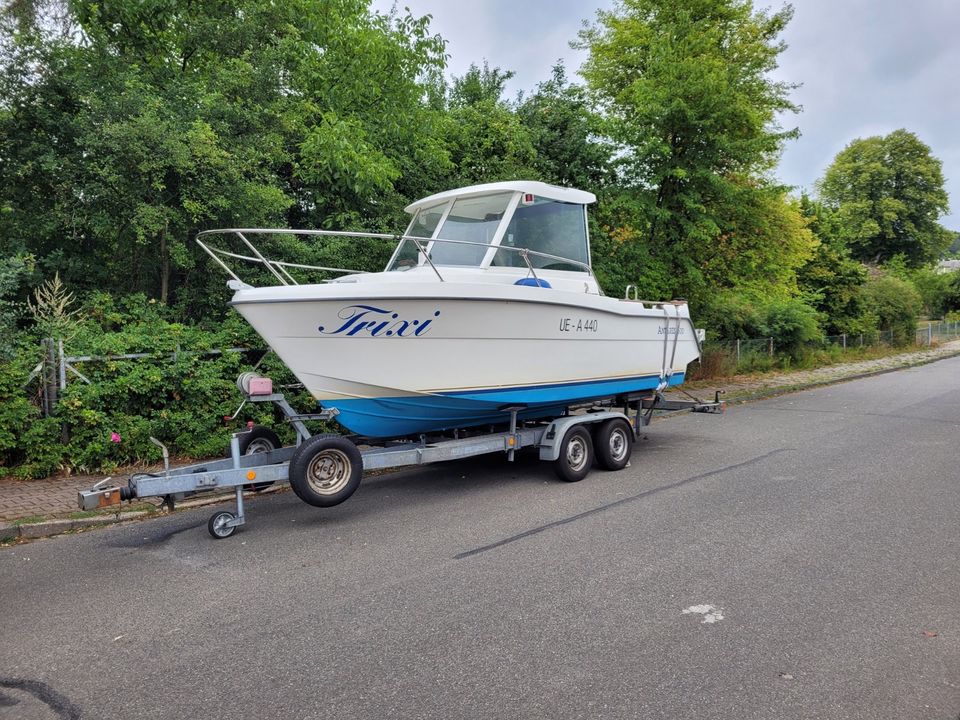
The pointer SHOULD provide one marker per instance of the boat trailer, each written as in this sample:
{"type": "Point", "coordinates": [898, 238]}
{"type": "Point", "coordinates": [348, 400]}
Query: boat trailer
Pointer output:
{"type": "Point", "coordinates": [325, 469]}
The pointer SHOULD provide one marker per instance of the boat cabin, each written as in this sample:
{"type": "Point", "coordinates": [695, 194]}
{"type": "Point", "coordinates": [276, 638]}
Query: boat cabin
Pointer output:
{"type": "Point", "coordinates": [525, 225]}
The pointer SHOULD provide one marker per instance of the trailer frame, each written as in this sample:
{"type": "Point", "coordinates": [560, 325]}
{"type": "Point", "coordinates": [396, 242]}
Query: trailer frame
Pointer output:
{"type": "Point", "coordinates": [553, 436]}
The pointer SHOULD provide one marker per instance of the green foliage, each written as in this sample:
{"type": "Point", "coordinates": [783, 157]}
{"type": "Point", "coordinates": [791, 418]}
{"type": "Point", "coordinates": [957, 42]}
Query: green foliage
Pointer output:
{"type": "Point", "coordinates": [792, 324]}
{"type": "Point", "coordinates": [888, 193]}
{"type": "Point", "coordinates": [831, 280]}
{"type": "Point", "coordinates": [21, 429]}
{"type": "Point", "coordinates": [731, 316]}
{"type": "Point", "coordinates": [687, 97]}
{"type": "Point", "coordinates": [479, 86]}
{"type": "Point", "coordinates": [936, 290]}
{"type": "Point", "coordinates": [620, 256]}
{"type": "Point", "coordinates": [13, 271]}
{"type": "Point", "coordinates": [951, 300]}
{"type": "Point", "coordinates": [160, 123]}
{"type": "Point", "coordinates": [566, 135]}
{"type": "Point", "coordinates": [177, 394]}
{"type": "Point", "coordinates": [954, 249]}
{"type": "Point", "coordinates": [896, 305]}
{"type": "Point", "coordinates": [485, 138]}
{"type": "Point", "coordinates": [763, 243]}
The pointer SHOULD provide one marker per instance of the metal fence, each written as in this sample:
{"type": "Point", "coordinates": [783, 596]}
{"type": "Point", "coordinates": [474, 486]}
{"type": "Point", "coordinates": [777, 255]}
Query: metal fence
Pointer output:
{"type": "Point", "coordinates": [743, 349]}
{"type": "Point", "coordinates": [57, 368]}
{"type": "Point", "coordinates": [938, 332]}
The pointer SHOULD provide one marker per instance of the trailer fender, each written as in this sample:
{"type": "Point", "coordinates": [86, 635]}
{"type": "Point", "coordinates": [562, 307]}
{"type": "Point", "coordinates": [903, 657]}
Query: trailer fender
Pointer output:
{"type": "Point", "coordinates": [557, 429]}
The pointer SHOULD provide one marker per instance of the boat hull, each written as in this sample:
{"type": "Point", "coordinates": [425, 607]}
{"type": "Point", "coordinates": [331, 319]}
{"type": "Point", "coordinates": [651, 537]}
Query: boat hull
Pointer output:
{"type": "Point", "coordinates": [411, 358]}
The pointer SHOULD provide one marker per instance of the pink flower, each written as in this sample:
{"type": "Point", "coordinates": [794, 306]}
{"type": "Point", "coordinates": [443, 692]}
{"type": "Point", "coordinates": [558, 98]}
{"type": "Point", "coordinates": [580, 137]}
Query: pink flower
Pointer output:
{"type": "Point", "coordinates": [114, 437]}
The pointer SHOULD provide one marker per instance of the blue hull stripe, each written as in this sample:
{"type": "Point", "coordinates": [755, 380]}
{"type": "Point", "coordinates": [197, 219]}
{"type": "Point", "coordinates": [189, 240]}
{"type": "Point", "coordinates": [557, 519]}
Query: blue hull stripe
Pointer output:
{"type": "Point", "coordinates": [409, 415]}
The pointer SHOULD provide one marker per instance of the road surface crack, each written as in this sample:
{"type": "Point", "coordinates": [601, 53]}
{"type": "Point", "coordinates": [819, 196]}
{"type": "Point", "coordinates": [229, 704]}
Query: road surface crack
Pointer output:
{"type": "Point", "coordinates": [616, 503]}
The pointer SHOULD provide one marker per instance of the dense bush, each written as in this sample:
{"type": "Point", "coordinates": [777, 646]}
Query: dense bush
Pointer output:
{"type": "Point", "coordinates": [731, 316]}
{"type": "Point", "coordinates": [792, 324]}
{"type": "Point", "coordinates": [934, 289]}
{"type": "Point", "coordinates": [177, 395]}
{"type": "Point", "coordinates": [896, 305]}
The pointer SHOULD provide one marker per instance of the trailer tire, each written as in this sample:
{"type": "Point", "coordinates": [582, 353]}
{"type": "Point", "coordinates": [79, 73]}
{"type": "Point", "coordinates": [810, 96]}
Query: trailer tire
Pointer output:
{"type": "Point", "coordinates": [576, 455]}
{"type": "Point", "coordinates": [614, 444]}
{"type": "Point", "coordinates": [259, 439]}
{"type": "Point", "coordinates": [217, 525]}
{"type": "Point", "coordinates": [326, 470]}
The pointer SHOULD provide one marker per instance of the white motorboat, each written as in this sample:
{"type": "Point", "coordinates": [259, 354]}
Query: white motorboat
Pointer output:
{"type": "Point", "coordinates": [488, 304]}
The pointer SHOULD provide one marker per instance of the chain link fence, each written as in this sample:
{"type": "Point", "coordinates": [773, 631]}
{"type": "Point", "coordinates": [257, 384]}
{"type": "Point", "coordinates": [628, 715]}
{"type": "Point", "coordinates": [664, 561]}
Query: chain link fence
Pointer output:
{"type": "Point", "coordinates": [728, 357]}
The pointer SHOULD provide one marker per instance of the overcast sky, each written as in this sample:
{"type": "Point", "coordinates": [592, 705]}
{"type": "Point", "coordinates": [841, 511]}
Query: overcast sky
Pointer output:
{"type": "Point", "coordinates": [868, 67]}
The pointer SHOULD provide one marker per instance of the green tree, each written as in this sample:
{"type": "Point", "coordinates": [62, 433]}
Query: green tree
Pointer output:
{"type": "Point", "coordinates": [566, 135]}
{"type": "Point", "coordinates": [485, 138]}
{"type": "Point", "coordinates": [122, 140]}
{"type": "Point", "coordinates": [831, 280]}
{"type": "Point", "coordinates": [896, 305]}
{"type": "Point", "coordinates": [13, 270]}
{"type": "Point", "coordinates": [889, 194]}
{"type": "Point", "coordinates": [686, 92]}
{"type": "Point", "coordinates": [951, 300]}
{"type": "Point", "coordinates": [792, 324]}
{"type": "Point", "coordinates": [954, 249]}
{"type": "Point", "coordinates": [934, 288]}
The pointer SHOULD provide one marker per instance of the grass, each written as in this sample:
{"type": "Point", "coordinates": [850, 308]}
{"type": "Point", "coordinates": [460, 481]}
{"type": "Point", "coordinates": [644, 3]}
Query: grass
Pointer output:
{"type": "Point", "coordinates": [720, 363]}
{"type": "Point", "coordinates": [30, 520]}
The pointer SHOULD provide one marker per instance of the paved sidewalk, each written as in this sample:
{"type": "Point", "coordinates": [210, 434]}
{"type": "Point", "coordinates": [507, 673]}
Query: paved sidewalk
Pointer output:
{"type": "Point", "coordinates": [40, 498]}
{"type": "Point", "coordinates": [57, 496]}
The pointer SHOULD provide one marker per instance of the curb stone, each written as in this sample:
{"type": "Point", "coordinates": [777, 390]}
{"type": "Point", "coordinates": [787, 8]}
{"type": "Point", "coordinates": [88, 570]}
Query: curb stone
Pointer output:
{"type": "Point", "coordinates": [56, 527]}
{"type": "Point", "coordinates": [48, 528]}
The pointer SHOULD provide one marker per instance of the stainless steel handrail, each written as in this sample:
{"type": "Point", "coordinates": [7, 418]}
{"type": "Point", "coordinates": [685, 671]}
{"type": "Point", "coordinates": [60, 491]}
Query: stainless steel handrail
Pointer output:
{"type": "Point", "coordinates": [284, 263]}
{"type": "Point", "coordinates": [276, 267]}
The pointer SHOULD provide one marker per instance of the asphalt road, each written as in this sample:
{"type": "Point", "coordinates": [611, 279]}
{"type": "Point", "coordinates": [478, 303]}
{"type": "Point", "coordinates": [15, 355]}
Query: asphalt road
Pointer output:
{"type": "Point", "coordinates": [795, 558]}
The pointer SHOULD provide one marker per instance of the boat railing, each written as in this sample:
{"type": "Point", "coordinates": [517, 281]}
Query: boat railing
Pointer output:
{"type": "Point", "coordinates": [280, 269]}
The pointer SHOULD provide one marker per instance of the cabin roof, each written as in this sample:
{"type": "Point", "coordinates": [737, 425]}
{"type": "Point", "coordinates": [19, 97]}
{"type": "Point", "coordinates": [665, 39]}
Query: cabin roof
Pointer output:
{"type": "Point", "coordinates": [540, 189]}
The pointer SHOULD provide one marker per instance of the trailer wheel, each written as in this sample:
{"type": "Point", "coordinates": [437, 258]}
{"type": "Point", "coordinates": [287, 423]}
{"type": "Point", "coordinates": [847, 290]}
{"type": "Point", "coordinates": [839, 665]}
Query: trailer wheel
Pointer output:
{"type": "Point", "coordinates": [218, 525]}
{"type": "Point", "coordinates": [326, 470]}
{"type": "Point", "coordinates": [614, 443]}
{"type": "Point", "coordinates": [259, 439]}
{"type": "Point", "coordinates": [576, 455]}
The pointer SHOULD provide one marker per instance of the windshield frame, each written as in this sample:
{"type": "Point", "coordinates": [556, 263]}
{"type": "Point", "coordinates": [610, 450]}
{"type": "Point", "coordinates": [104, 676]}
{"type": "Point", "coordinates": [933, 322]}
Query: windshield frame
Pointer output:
{"type": "Point", "coordinates": [495, 245]}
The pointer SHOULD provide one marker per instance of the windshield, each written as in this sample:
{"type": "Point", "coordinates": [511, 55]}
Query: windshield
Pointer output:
{"type": "Point", "coordinates": [550, 227]}
{"type": "Point", "coordinates": [422, 226]}
{"type": "Point", "coordinates": [471, 220]}
{"type": "Point", "coordinates": [463, 238]}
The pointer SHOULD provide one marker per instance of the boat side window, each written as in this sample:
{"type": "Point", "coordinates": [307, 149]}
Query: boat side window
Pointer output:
{"type": "Point", "coordinates": [422, 226]}
{"type": "Point", "coordinates": [546, 226]}
{"type": "Point", "coordinates": [472, 223]}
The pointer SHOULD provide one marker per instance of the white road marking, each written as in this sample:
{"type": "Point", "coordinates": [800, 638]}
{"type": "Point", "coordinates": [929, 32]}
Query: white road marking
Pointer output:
{"type": "Point", "coordinates": [710, 613]}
